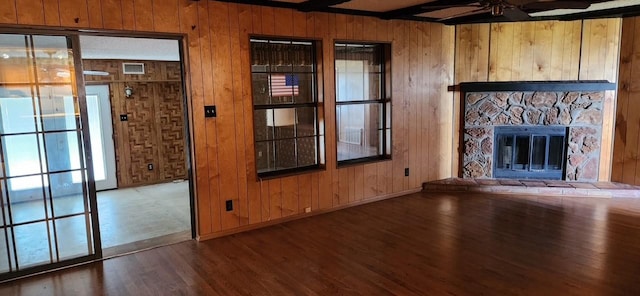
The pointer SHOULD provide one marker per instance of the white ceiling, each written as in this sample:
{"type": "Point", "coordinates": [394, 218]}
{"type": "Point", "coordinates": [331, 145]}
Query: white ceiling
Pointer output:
{"type": "Point", "coordinates": [102, 47]}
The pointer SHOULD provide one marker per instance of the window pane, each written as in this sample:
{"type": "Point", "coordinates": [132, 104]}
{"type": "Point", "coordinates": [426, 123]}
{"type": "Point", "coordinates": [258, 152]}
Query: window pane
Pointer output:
{"type": "Point", "coordinates": [307, 151]}
{"type": "Point", "coordinates": [286, 157]}
{"type": "Point", "coordinates": [357, 129]}
{"type": "Point", "coordinates": [284, 74]}
{"type": "Point", "coordinates": [306, 124]}
{"type": "Point", "coordinates": [17, 110]}
{"type": "Point", "coordinates": [265, 156]}
{"type": "Point", "coordinates": [260, 88]}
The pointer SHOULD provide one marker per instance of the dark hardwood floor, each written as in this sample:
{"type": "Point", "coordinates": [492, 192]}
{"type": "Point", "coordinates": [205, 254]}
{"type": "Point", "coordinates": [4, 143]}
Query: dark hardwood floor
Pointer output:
{"type": "Point", "coordinates": [421, 244]}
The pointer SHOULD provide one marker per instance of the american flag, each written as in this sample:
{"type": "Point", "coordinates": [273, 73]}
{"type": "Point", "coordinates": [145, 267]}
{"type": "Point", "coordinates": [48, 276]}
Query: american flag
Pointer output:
{"type": "Point", "coordinates": [283, 85]}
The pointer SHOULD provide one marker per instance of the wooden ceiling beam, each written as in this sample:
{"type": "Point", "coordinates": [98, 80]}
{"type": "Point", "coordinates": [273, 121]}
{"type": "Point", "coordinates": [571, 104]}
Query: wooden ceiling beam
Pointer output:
{"type": "Point", "coordinates": [422, 8]}
{"type": "Point", "coordinates": [316, 5]}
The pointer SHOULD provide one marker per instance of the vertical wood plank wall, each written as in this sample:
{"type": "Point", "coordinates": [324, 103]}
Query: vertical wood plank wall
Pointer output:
{"type": "Point", "coordinates": [218, 74]}
{"type": "Point", "coordinates": [537, 51]}
{"type": "Point", "coordinates": [627, 125]}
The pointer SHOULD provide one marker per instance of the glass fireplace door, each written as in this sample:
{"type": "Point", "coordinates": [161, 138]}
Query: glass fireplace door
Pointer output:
{"type": "Point", "coordinates": [529, 152]}
{"type": "Point", "coordinates": [48, 217]}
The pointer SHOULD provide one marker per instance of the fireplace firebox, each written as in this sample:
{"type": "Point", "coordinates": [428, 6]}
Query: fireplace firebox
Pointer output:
{"type": "Point", "coordinates": [530, 152]}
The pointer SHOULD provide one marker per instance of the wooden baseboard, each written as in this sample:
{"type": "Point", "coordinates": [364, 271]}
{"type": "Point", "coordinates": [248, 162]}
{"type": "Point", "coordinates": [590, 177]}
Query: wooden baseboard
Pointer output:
{"type": "Point", "coordinates": [304, 215]}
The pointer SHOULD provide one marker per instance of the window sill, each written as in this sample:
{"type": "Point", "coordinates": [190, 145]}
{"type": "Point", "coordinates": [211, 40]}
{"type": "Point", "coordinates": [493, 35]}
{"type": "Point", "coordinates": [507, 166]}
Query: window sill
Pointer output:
{"type": "Point", "coordinates": [290, 172]}
{"type": "Point", "coordinates": [366, 160]}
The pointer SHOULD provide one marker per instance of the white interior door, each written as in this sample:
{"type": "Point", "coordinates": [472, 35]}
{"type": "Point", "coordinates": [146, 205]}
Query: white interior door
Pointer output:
{"type": "Point", "coordinates": [101, 131]}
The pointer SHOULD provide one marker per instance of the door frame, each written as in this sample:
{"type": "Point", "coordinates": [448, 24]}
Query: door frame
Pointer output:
{"type": "Point", "coordinates": [74, 36]}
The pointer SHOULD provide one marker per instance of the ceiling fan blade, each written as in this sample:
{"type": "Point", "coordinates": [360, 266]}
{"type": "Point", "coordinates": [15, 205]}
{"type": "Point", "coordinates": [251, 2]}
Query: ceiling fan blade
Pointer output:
{"type": "Point", "coordinates": [438, 7]}
{"type": "Point", "coordinates": [556, 5]}
{"type": "Point", "coordinates": [515, 14]}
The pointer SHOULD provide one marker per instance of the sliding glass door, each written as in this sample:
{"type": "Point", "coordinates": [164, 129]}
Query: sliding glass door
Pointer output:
{"type": "Point", "coordinates": [48, 217]}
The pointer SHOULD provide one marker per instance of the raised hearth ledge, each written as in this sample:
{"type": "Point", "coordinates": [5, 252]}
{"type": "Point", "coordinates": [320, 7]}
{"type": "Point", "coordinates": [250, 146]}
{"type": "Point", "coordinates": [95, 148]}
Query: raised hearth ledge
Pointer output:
{"type": "Point", "coordinates": [535, 187]}
{"type": "Point", "coordinates": [560, 85]}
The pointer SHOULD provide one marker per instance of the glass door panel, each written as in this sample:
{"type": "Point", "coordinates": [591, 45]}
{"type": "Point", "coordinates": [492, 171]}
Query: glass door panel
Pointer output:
{"type": "Point", "coordinates": [538, 152]}
{"type": "Point", "coordinates": [46, 204]}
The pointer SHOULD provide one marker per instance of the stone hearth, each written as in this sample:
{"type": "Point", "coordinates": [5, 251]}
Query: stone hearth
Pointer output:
{"type": "Point", "coordinates": [579, 111]}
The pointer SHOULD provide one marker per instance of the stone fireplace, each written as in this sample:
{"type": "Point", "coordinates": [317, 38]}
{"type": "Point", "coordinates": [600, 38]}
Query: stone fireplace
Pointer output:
{"type": "Point", "coordinates": [573, 108]}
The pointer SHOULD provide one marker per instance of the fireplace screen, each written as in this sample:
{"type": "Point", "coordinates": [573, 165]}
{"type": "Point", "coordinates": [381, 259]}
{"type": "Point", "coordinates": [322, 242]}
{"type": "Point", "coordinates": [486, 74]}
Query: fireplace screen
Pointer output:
{"type": "Point", "coordinates": [530, 152]}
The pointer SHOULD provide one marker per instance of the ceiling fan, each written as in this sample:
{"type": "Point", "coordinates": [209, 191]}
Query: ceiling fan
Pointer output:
{"type": "Point", "coordinates": [514, 10]}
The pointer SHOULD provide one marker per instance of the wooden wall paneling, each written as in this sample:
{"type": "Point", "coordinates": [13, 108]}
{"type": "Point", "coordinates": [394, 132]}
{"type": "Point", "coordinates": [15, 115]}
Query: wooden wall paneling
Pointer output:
{"type": "Point", "coordinates": [427, 94]}
{"type": "Point", "coordinates": [268, 21]}
{"type": "Point", "coordinates": [129, 13]}
{"type": "Point", "coordinates": [350, 22]}
{"type": "Point", "coordinates": [245, 16]}
{"type": "Point", "coordinates": [200, 162]}
{"type": "Point", "coordinates": [572, 41]}
{"type": "Point", "coordinates": [265, 197]}
{"type": "Point", "coordinates": [283, 20]}
{"type": "Point", "coordinates": [446, 121]}
{"type": "Point", "coordinates": [236, 36]}
{"type": "Point", "coordinates": [369, 28]}
{"type": "Point", "coordinates": [290, 202]}
{"type": "Point", "coordinates": [29, 12]}
{"type": "Point", "coordinates": [501, 52]}
{"type": "Point", "coordinates": [556, 65]}
{"type": "Point", "coordinates": [166, 17]}
{"type": "Point", "coordinates": [324, 26]}
{"type": "Point", "coordinates": [358, 182]}
{"type": "Point", "coordinates": [385, 169]}
{"type": "Point", "coordinates": [52, 12]}
{"type": "Point", "coordinates": [222, 91]}
{"type": "Point", "coordinates": [73, 13]}
{"type": "Point", "coordinates": [526, 51]}
{"type": "Point", "coordinates": [305, 192]}
{"type": "Point", "coordinates": [258, 201]}
{"type": "Point", "coordinates": [351, 182]}
{"type": "Point", "coordinates": [275, 199]}
{"type": "Point", "coordinates": [9, 13]}
{"type": "Point", "coordinates": [624, 84]}
{"type": "Point", "coordinates": [143, 10]}
{"type": "Point", "coordinates": [370, 180]}
{"type": "Point", "coordinates": [630, 128]}
{"type": "Point", "coordinates": [399, 104]}
{"type": "Point", "coordinates": [543, 36]}
{"type": "Point", "coordinates": [341, 26]}
{"type": "Point", "coordinates": [95, 17]}
{"type": "Point", "coordinates": [207, 38]}
{"type": "Point", "coordinates": [299, 20]}
{"type": "Point", "coordinates": [414, 136]}
{"type": "Point", "coordinates": [358, 27]}
{"type": "Point", "coordinates": [343, 187]}
{"type": "Point", "coordinates": [114, 7]}
{"type": "Point", "coordinates": [430, 36]}
{"type": "Point", "coordinates": [315, 191]}
{"type": "Point", "coordinates": [327, 27]}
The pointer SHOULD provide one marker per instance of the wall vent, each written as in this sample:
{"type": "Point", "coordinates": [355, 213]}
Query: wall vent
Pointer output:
{"type": "Point", "coordinates": [133, 68]}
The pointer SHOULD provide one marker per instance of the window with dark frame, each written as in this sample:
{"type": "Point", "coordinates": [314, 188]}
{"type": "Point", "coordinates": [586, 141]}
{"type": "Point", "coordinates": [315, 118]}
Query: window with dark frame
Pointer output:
{"type": "Point", "coordinates": [285, 104]}
{"type": "Point", "coordinates": [363, 103]}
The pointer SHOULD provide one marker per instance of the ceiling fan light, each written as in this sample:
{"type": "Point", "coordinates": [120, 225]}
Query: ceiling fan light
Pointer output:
{"type": "Point", "coordinates": [497, 10]}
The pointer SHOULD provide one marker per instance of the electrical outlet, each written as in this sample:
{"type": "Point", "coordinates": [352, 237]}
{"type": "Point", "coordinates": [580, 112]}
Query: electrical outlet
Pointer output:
{"type": "Point", "coordinates": [307, 210]}
{"type": "Point", "coordinates": [150, 166]}
{"type": "Point", "coordinates": [229, 205]}
{"type": "Point", "coordinates": [124, 117]}
{"type": "Point", "coordinates": [406, 172]}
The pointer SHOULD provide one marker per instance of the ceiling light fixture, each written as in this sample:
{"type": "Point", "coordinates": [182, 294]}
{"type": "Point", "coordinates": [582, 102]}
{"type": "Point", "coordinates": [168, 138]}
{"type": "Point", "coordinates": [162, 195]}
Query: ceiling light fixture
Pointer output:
{"type": "Point", "coordinates": [5, 56]}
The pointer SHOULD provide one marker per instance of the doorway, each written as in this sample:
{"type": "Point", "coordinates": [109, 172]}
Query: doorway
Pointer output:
{"type": "Point", "coordinates": [59, 145]}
